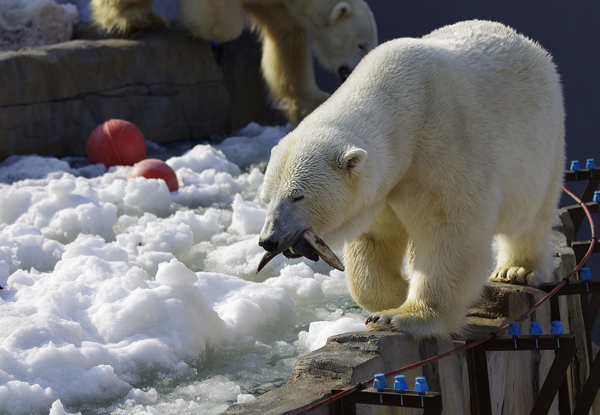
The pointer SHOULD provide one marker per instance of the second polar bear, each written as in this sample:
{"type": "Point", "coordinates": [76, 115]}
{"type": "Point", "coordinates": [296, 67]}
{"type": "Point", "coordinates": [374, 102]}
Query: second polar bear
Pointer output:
{"type": "Point", "coordinates": [429, 149]}
{"type": "Point", "coordinates": [338, 32]}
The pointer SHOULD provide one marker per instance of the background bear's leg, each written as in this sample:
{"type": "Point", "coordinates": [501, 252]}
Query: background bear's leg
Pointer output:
{"type": "Point", "coordinates": [450, 265]}
{"type": "Point", "coordinates": [287, 63]}
{"type": "Point", "coordinates": [374, 264]}
{"type": "Point", "coordinates": [219, 21]}
{"type": "Point", "coordinates": [125, 16]}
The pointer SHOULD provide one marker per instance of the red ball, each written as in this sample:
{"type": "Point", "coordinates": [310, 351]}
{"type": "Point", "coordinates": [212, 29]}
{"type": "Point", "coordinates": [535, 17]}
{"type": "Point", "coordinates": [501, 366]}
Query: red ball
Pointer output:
{"type": "Point", "coordinates": [155, 169]}
{"type": "Point", "coordinates": [116, 143]}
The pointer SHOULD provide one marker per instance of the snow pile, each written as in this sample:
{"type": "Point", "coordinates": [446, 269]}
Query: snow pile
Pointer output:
{"type": "Point", "coordinates": [122, 298]}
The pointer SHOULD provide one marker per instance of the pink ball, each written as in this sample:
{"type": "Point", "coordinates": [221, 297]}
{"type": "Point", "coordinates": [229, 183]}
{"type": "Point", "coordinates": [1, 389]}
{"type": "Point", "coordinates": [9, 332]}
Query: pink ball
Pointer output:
{"type": "Point", "coordinates": [155, 169]}
{"type": "Point", "coordinates": [116, 143]}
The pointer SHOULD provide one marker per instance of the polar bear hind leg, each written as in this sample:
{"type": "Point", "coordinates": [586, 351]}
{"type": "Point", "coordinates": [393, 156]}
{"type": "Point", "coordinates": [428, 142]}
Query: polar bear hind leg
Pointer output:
{"type": "Point", "coordinates": [126, 17]}
{"type": "Point", "coordinates": [374, 264]}
{"type": "Point", "coordinates": [524, 258]}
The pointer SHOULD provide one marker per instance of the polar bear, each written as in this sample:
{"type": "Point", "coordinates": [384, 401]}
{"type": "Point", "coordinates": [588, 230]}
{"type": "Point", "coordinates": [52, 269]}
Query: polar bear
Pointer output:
{"type": "Point", "coordinates": [430, 148]}
{"type": "Point", "coordinates": [339, 32]}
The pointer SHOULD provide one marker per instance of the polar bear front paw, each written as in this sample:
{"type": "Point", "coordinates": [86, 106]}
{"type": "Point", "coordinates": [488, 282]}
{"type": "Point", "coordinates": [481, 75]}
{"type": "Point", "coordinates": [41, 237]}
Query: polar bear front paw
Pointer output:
{"type": "Point", "coordinates": [380, 322]}
{"type": "Point", "coordinates": [391, 320]}
{"type": "Point", "coordinates": [515, 275]}
{"type": "Point", "coordinates": [419, 324]}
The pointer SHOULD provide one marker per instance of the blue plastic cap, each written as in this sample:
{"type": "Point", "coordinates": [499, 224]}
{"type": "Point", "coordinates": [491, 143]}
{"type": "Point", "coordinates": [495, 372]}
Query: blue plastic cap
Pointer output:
{"type": "Point", "coordinates": [557, 328]}
{"type": "Point", "coordinates": [535, 329]}
{"type": "Point", "coordinates": [400, 383]}
{"type": "Point", "coordinates": [596, 197]}
{"type": "Point", "coordinates": [421, 385]}
{"type": "Point", "coordinates": [575, 165]}
{"type": "Point", "coordinates": [379, 383]}
{"type": "Point", "coordinates": [589, 164]}
{"type": "Point", "coordinates": [585, 274]}
{"type": "Point", "coordinates": [514, 330]}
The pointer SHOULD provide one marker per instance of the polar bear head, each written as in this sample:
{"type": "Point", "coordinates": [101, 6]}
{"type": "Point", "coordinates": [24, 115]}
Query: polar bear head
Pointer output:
{"type": "Point", "coordinates": [343, 32]}
{"type": "Point", "coordinates": [312, 188]}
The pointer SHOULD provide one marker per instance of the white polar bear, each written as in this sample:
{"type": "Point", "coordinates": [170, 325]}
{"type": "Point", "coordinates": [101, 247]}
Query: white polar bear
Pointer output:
{"type": "Point", "coordinates": [443, 141]}
{"type": "Point", "coordinates": [340, 32]}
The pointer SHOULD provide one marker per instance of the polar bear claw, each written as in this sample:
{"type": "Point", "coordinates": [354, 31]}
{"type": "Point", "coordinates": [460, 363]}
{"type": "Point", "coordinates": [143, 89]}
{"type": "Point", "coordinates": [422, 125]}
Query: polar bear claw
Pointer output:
{"type": "Point", "coordinates": [515, 275]}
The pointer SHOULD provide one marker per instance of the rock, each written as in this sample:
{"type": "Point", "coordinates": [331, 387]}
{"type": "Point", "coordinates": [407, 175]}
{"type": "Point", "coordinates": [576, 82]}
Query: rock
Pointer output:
{"type": "Point", "coordinates": [26, 23]}
{"type": "Point", "coordinates": [166, 83]}
{"type": "Point", "coordinates": [515, 377]}
{"type": "Point", "coordinates": [240, 62]}
{"type": "Point", "coordinates": [355, 357]}
{"type": "Point", "coordinates": [172, 86]}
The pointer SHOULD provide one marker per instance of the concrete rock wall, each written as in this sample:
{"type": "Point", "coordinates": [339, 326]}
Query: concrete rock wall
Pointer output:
{"type": "Point", "coordinates": [35, 23]}
{"type": "Point", "coordinates": [53, 96]}
{"type": "Point", "coordinates": [172, 86]}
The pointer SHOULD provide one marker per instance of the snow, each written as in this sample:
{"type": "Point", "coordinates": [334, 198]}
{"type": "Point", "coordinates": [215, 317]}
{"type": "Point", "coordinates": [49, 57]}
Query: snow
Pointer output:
{"type": "Point", "coordinates": [122, 298]}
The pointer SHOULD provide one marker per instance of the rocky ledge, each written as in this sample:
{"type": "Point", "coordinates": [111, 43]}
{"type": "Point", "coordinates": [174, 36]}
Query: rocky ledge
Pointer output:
{"type": "Point", "coordinates": [515, 377]}
{"type": "Point", "coordinates": [171, 85]}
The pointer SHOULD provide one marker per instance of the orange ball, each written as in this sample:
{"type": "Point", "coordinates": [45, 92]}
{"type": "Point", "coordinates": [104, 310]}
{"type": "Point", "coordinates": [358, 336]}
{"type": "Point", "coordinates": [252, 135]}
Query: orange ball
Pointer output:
{"type": "Point", "coordinates": [155, 169]}
{"type": "Point", "coordinates": [116, 143]}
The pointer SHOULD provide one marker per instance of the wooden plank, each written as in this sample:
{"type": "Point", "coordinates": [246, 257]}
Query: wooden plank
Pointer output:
{"type": "Point", "coordinates": [581, 174]}
{"type": "Point", "coordinates": [527, 342]}
{"type": "Point", "coordinates": [479, 382]}
{"type": "Point", "coordinates": [574, 287]}
{"type": "Point", "coordinates": [408, 399]}
{"type": "Point", "coordinates": [590, 390]}
{"type": "Point", "coordinates": [556, 374]}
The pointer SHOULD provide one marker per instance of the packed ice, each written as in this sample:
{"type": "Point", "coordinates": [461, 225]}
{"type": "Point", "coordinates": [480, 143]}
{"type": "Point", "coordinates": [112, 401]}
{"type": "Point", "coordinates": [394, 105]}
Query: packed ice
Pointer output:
{"type": "Point", "coordinates": [123, 298]}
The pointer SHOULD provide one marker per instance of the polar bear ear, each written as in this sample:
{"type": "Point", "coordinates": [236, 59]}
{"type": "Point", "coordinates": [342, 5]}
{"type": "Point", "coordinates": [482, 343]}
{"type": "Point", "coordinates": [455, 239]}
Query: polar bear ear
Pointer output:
{"type": "Point", "coordinates": [351, 158]}
{"type": "Point", "coordinates": [341, 9]}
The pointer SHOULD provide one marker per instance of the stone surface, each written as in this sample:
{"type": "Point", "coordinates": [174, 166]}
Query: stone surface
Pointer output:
{"type": "Point", "coordinates": [349, 358]}
{"type": "Point", "coordinates": [172, 86]}
{"type": "Point", "coordinates": [515, 377]}
{"type": "Point", "coordinates": [167, 83]}
{"type": "Point", "coordinates": [26, 23]}
{"type": "Point", "coordinates": [240, 63]}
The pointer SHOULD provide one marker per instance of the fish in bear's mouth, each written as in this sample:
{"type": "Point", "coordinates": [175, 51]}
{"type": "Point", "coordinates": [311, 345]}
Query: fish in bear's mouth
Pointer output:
{"type": "Point", "coordinates": [309, 246]}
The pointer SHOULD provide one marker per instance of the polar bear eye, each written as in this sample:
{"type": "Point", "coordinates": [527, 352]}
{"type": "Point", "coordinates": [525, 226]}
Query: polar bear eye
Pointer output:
{"type": "Point", "coordinates": [297, 195]}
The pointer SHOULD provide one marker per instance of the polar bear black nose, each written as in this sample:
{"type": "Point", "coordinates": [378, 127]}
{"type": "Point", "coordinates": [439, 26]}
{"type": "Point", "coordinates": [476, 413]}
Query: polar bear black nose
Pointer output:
{"type": "Point", "coordinates": [268, 244]}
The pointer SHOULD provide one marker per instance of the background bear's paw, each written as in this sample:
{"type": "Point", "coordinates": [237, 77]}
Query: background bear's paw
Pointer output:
{"type": "Point", "coordinates": [515, 275]}
{"type": "Point", "coordinates": [296, 109]}
{"type": "Point", "coordinates": [132, 22]}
